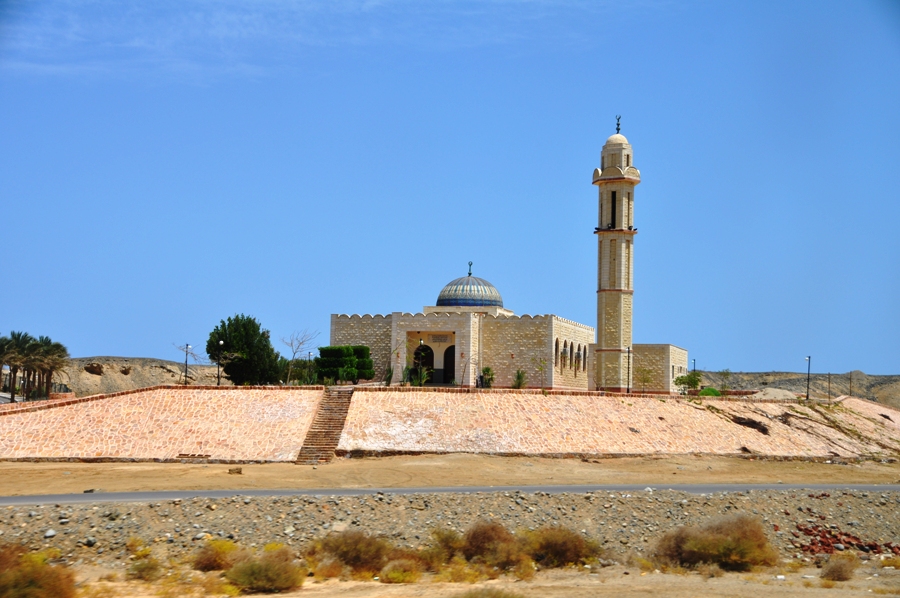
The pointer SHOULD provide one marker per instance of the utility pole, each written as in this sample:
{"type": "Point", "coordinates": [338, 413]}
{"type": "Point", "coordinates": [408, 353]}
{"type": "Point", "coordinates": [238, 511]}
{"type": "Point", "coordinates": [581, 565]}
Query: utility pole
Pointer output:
{"type": "Point", "coordinates": [808, 369]}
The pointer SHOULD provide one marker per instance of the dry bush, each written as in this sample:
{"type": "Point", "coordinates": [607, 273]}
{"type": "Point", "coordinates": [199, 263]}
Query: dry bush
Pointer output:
{"type": "Point", "coordinates": [524, 569]}
{"type": "Point", "coordinates": [218, 555]}
{"type": "Point", "coordinates": [137, 548]}
{"type": "Point", "coordinates": [709, 571]}
{"type": "Point", "coordinates": [28, 575]}
{"type": "Point", "coordinates": [328, 568]}
{"type": "Point", "coordinates": [826, 583]}
{"type": "Point", "coordinates": [893, 591]}
{"type": "Point", "coordinates": [401, 571]}
{"type": "Point", "coordinates": [891, 561]}
{"type": "Point", "coordinates": [840, 567]}
{"type": "Point", "coordinates": [490, 543]}
{"type": "Point", "coordinates": [459, 571]}
{"type": "Point", "coordinates": [274, 571]}
{"type": "Point", "coordinates": [734, 542]}
{"type": "Point", "coordinates": [556, 546]}
{"type": "Point", "coordinates": [489, 593]}
{"type": "Point", "coordinates": [145, 569]}
{"type": "Point", "coordinates": [363, 553]}
{"type": "Point", "coordinates": [447, 544]}
{"type": "Point", "coordinates": [213, 584]}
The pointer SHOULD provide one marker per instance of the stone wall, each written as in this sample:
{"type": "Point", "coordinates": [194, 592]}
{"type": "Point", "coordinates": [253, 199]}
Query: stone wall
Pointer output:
{"type": "Point", "coordinates": [530, 423]}
{"type": "Point", "coordinates": [371, 331]}
{"type": "Point", "coordinates": [571, 372]}
{"type": "Point", "coordinates": [226, 423]}
{"type": "Point", "coordinates": [518, 343]}
{"type": "Point", "coordinates": [655, 367]}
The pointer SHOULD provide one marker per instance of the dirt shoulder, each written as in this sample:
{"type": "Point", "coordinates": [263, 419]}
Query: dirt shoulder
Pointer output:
{"type": "Point", "coordinates": [23, 478]}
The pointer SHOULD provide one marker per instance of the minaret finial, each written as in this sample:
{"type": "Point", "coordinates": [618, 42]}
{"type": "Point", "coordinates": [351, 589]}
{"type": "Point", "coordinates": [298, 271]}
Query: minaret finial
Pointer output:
{"type": "Point", "coordinates": [618, 126]}
{"type": "Point", "coordinates": [470, 268]}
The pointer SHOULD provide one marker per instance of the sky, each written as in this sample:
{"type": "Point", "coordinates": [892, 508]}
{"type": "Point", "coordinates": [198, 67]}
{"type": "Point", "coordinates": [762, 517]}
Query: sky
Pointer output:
{"type": "Point", "coordinates": [167, 164]}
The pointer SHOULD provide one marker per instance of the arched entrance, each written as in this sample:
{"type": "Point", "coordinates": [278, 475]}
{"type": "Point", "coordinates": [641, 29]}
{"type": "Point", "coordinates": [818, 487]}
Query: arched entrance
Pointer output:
{"type": "Point", "coordinates": [449, 364]}
{"type": "Point", "coordinates": [423, 357]}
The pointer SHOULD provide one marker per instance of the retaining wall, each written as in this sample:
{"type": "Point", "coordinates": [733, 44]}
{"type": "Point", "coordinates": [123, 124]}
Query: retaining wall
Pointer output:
{"type": "Point", "coordinates": [571, 424]}
{"type": "Point", "coordinates": [161, 423]}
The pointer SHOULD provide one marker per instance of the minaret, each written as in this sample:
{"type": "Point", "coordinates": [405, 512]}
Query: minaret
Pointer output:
{"type": "Point", "coordinates": [613, 365]}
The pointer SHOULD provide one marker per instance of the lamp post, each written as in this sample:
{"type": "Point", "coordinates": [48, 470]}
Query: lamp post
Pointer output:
{"type": "Point", "coordinates": [187, 349]}
{"type": "Point", "coordinates": [695, 364]}
{"type": "Point", "coordinates": [628, 381]}
{"type": "Point", "coordinates": [219, 365]}
{"type": "Point", "coordinates": [808, 368]}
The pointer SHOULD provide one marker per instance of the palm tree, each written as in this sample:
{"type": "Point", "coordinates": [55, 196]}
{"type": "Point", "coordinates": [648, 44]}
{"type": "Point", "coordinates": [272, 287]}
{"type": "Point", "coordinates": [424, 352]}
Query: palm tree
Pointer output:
{"type": "Point", "coordinates": [53, 357]}
{"type": "Point", "coordinates": [15, 356]}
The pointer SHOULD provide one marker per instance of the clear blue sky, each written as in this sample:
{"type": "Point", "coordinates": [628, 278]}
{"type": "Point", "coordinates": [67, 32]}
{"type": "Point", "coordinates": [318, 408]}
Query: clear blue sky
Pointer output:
{"type": "Point", "coordinates": [167, 164]}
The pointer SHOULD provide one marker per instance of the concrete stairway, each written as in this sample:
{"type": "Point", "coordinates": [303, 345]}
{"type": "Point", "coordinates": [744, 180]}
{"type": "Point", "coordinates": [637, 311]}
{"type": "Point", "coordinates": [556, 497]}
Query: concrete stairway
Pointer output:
{"type": "Point", "coordinates": [325, 430]}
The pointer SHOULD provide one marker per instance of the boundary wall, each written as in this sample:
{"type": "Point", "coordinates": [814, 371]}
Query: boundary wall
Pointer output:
{"type": "Point", "coordinates": [164, 423]}
{"type": "Point", "coordinates": [571, 424]}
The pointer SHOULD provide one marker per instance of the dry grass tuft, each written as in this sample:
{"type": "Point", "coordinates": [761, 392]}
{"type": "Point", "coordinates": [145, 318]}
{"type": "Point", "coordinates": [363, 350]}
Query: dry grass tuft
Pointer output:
{"type": "Point", "coordinates": [28, 575]}
{"type": "Point", "coordinates": [459, 571]}
{"type": "Point", "coordinates": [218, 555]}
{"type": "Point", "coordinates": [401, 571]}
{"type": "Point", "coordinates": [709, 571]}
{"type": "Point", "coordinates": [734, 543]}
{"type": "Point", "coordinates": [273, 571]}
{"type": "Point", "coordinates": [891, 561]}
{"type": "Point", "coordinates": [826, 583]}
{"type": "Point", "coordinates": [840, 567]}
{"type": "Point", "coordinates": [556, 546]}
{"type": "Point", "coordinates": [364, 554]}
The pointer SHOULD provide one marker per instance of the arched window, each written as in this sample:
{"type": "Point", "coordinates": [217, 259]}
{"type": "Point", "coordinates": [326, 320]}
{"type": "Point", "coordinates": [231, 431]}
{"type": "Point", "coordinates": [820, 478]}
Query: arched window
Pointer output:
{"type": "Point", "coordinates": [556, 354]}
{"type": "Point", "coordinates": [565, 353]}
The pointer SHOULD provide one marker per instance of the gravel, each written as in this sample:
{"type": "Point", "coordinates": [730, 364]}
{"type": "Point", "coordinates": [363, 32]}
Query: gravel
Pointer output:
{"type": "Point", "coordinates": [97, 533]}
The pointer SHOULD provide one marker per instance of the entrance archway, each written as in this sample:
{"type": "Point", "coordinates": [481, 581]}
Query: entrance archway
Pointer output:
{"type": "Point", "coordinates": [449, 364]}
{"type": "Point", "coordinates": [424, 357]}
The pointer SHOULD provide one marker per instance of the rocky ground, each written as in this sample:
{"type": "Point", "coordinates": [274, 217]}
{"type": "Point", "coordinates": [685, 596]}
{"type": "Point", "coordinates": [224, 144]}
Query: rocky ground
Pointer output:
{"type": "Point", "coordinates": [800, 523]}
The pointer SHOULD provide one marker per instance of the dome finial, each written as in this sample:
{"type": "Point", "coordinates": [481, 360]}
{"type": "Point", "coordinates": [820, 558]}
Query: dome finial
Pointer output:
{"type": "Point", "coordinates": [618, 126]}
{"type": "Point", "coordinates": [470, 268]}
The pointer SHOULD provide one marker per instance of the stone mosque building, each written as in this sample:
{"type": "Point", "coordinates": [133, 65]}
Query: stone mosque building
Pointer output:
{"type": "Point", "coordinates": [469, 328]}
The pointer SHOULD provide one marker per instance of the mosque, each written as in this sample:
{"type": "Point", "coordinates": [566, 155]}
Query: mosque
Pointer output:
{"type": "Point", "coordinates": [469, 328]}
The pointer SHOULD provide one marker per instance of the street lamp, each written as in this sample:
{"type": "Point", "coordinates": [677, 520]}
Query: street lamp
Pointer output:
{"type": "Point", "coordinates": [628, 381]}
{"type": "Point", "coordinates": [808, 366]}
{"type": "Point", "coordinates": [187, 349]}
{"type": "Point", "coordinates": [219, 365]}
{"type": "Point", "coordinates": [695, 364]}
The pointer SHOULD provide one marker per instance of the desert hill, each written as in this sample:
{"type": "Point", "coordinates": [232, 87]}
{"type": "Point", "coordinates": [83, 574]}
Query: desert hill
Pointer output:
{"type": "Point", "coordinates": [101, 375]}
{"type": "Point", "coordinates": [96, 375]}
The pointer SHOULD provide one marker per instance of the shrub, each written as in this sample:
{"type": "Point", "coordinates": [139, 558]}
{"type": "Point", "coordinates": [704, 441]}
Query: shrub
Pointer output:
{"type": "Point", "coordinates": [487, 377]}
{"type": "Point", "coordinates": [359, 551]}
{"type": "Point", "coordinates": [25, 575]}
{"type": "Point", "coordinates": [447, 544]}
{"type": "Point", "coordinates": [217, 555]}
{"type": "Point", "coordinates": [328, 567]}
{"type": "Point", "coordinates": [401, 571]}
{"type": "Point", "coordinates": [490, 543]}
{"type": "Point", "coordinates": [709, 391]}
{"type": "Point", "coordinates": [145, 569]}
{"type": "Point", "coordinates": [365, 369]}
{"type": "Point", "coordinates": [459, 571]}
{"type": "Point", "coordinates": [337, 362]}
{"type": "Point", "coordinates": [734, 543]}
{"type": "Point", "coordinates": [274, 571]}
{"type": "Point", "coordinates": [556, 546]}
{"type": "Point", "coordinates": [840, 567]}
{"type": "Point", "coordinates": [520, 379]}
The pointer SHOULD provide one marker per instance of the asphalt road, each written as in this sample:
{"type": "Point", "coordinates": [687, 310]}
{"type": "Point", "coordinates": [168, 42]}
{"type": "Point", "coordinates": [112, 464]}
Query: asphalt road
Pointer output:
{"type": "Point", "coordinates": [94, 497]}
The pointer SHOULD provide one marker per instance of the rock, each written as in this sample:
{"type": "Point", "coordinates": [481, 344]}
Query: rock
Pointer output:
{"type": "Point", "coordinates": [839, 547]}
{"type": "Point", "coordinates": [90, 541]}
{"type": "Point", "coordinates": [49, 533]}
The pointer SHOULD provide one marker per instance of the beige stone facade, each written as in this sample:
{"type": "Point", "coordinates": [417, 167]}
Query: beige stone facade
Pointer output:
{"type": "Point", "coordinates": [655, 367]}
{"type": "Point", "coordinates": [550, 350]}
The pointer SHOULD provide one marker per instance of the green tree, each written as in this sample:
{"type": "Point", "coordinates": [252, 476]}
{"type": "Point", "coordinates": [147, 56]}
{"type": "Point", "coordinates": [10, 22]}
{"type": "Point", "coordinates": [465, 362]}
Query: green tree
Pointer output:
{"type": "Point", "coordinates": [726, 377]}
{"type": "Point", "coordinates": [644, 377]}
{"type": "Point", "coordinates": [247, 355]}
{"type": "Point", "coordinates": [690, 380]}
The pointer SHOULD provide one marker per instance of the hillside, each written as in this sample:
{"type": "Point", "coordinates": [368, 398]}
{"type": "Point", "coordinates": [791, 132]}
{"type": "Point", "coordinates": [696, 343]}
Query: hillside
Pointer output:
{"type": "Point", "coordinates": [884, 389]}
{"type": "Point", "coordinates": [100, 375]}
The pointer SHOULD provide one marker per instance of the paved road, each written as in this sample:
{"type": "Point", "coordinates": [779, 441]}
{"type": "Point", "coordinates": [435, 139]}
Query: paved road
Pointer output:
{"type": "Point", "coordinates": [184, 494]}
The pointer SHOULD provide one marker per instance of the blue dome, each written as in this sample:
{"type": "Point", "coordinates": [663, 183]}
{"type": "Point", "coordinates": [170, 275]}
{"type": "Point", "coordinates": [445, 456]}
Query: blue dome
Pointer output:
{"type": "Point", "coordinates": [469, 291]}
